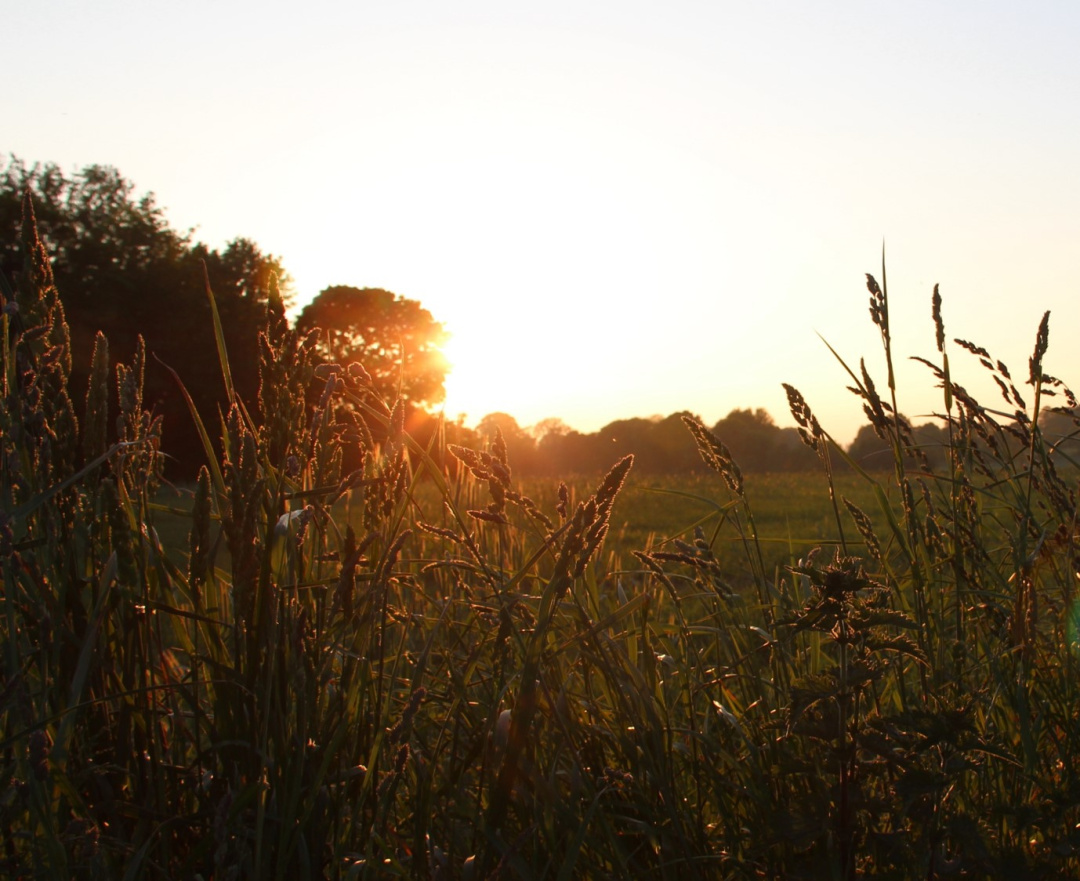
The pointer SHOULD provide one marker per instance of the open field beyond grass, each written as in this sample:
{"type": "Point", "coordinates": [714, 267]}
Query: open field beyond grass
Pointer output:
{"type": "Point", "coordinates": [793, 511]}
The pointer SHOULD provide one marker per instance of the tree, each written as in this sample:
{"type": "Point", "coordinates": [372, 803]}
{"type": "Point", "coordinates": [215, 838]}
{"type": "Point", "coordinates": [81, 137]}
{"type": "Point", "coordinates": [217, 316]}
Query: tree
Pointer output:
{"type": "Point", "coordinates": [105, 246]}
{"type": "Point", "coordinates": [869, 451]}
{"type": "Point", "coordinates": [120, 268]}
{"type": "Point", "coordinates": [550, 425]}
{"type": "Point", "coordinates": [240, 277]}
{"type": "Point", "coordinates": [520, 445]}
{"type": "Point", "coordinates": [925, 445]}
{"type": "Point", "coordinates": [791, 454]}
{"type": "Point", "coordinates": [751, 436]}
{"type": "Point", "coordinates": [661, 445]}
{"type": "Point", "coordinates": [1061, 433]}
{"type": "Point", "coordinates": [395, 339]}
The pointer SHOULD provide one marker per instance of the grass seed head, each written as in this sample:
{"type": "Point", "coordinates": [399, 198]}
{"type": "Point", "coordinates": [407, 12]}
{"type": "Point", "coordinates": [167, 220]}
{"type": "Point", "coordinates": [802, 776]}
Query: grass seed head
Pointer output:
{"type": "Point", "coordinates": [95, 425]}
{"type": "Point", "coordinates": [1042, 341]}
{"type": "Point", "coordinates": [810, 432]}
{"type": "Point", "coordinates": [939, 325]}
{"type": "Point", "coordinates": [564, 500]}
{"type": "Point", "coordinates": [358, 373]}
{"type": "Point", "coordinates": [715, 454]}
{"type": "Point", "coordinates": [879, 310]}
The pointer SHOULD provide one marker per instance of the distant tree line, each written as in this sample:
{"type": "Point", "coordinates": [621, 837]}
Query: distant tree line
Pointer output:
{"type": "Point", "coordinates": [121, 269]}
{"type": "Point", "coordinates": [662, 445]}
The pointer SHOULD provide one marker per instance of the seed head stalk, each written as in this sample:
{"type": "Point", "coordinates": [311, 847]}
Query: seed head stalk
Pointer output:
{"type": "Point", "coordinates": [879, 313]}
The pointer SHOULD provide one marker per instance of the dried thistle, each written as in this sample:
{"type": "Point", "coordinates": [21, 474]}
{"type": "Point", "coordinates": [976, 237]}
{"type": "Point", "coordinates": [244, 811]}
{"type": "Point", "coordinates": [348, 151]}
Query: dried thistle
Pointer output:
{"type": "Point", "coordinates": [293, 521]}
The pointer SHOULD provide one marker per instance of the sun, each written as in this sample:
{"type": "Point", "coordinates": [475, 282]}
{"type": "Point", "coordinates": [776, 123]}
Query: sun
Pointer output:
{"type": "Point", "coordinates": [483, 378]}
{"type": "Point", "coordinates": [527, 254]}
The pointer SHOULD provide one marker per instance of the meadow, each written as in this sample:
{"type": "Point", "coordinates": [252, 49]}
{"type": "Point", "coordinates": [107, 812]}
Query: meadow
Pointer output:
{"type": "Point", "coordinates": [422, 672]}
{"type": "Point", "coordinates": [651, 513]}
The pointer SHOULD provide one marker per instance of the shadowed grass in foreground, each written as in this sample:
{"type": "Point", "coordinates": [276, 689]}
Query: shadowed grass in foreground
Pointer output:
{"type": "Point", "coordinates": [396, 673]}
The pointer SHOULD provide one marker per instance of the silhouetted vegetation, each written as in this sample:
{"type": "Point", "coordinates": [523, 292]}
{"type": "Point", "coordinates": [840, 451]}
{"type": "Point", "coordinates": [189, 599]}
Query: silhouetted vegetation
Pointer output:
{"type": "Point", "coordinates": [123, 271]}
{"type": "Point", "coordinates": [416, 670]}
{"type": "Point", "coordinates": [394, 339]}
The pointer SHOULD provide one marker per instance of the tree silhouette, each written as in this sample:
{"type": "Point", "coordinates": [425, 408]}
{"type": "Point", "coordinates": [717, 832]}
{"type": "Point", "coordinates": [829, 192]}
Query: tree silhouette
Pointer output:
{"type": "Point", "coordinates": [520, 445]}
{"type": "Point", "coordinates": [551, 425]}
{"type": "Point", "coordinates": [660, 445]}
{"type": "Point", "coordinates": [751, 436]}
{"type": "Point", "coordinates": [120, 268]}
{"type": "Point", "coordinates": [395, 339]}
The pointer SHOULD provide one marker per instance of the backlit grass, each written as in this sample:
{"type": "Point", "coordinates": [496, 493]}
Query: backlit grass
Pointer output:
{"type": "Point", "coordinates": [399, 672]}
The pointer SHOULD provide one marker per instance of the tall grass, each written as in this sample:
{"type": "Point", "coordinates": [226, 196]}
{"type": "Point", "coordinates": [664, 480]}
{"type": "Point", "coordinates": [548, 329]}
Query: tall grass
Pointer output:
{"type": "Point", "coordinates": [354, 676]}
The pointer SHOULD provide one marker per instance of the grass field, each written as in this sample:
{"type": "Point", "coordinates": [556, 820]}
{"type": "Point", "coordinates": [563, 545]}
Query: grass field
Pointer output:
{"type": "Point", "coordinates": [794, 515]}
{"type": "Point", "coordinates": [392, 674]}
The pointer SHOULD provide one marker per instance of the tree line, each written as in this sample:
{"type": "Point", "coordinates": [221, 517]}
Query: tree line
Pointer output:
{"type": "Point", "coordinates": [662, 445]}
{"type": "Point", "coordinates": [121, 269]}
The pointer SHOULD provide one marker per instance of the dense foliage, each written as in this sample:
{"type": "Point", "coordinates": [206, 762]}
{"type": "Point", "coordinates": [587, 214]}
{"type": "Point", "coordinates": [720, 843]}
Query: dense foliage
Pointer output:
{"type": "Point", "coordinates": [121, 270]}
{"type": "Point", "coordinates": [395, 339]}
{"type": "Point", "coordinates": [345, 680]}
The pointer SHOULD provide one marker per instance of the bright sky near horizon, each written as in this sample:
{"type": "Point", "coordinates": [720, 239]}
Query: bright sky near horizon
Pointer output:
{"type": "Point", "coordinates": [617, 209]}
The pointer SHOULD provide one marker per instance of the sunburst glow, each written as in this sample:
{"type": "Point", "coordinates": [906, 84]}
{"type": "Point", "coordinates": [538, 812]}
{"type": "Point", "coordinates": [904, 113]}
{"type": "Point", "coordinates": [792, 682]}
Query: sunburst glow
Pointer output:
{"type": "Point", "coordinates": [614, 211]}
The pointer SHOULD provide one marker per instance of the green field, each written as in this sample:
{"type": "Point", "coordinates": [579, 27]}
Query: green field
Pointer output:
{"type": "Point", "coordinates": [792, 510]}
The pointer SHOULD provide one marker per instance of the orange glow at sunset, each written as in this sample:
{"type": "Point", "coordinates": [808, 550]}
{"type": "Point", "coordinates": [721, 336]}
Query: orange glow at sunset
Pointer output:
{"type": "Point", "coordinates": [614, 211]}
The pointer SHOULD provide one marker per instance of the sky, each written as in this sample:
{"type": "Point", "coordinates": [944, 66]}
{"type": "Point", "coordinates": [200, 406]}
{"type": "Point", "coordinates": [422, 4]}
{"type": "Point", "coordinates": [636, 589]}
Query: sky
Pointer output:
{"type": "Point", "coordinates": [617, 209]}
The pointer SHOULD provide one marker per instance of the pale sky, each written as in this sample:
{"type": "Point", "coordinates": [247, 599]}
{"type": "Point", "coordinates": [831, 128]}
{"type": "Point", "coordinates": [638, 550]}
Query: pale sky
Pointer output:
{"type": "Point", "coordinates": [617, 209]}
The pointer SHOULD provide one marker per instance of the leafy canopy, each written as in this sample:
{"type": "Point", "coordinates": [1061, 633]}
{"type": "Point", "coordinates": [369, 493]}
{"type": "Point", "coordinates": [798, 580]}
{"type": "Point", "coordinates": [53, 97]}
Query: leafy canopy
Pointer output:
{"type": "Point", "coordinates": [121, 269]}
{"type": "Point", "coordinates": [395, 339]}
